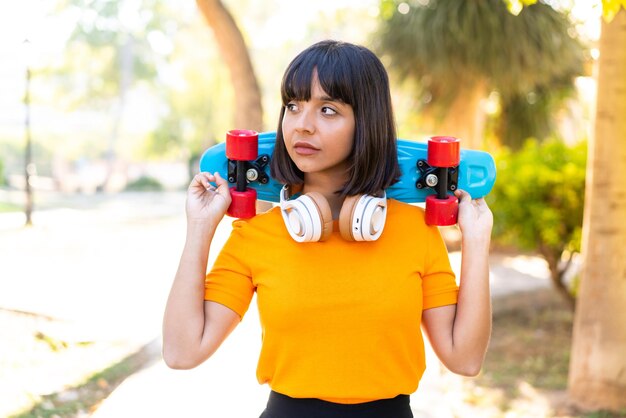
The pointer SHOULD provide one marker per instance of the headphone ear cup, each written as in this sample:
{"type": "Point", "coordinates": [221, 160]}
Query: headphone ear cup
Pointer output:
{"type": "Point", "coordinates": [345, 217]}
{"type": "Point", "coordinates": [326, 216]}
{"type": "Point", "coordinates": [373, 213]}
{"type": "Point", "coordinates": [297, 220]}
{"type": "Point", "coordinates": [300, 217]}
{"type": "Point", "coordinates": [362, 217]}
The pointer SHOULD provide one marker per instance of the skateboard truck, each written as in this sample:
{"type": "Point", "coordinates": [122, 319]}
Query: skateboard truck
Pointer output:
{"type": "Point", "coordinates": [430, 177]}
{"type": "Point", "coordinates": [242, 148]}
{"type": "Point", "coordinates": [440, 173]}
{"type": "Point", "coordinates": [254, 170]}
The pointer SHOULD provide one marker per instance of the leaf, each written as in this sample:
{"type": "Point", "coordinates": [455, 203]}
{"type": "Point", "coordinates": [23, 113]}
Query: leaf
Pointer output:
{"type": "Point", "coordinates": [611, 7]}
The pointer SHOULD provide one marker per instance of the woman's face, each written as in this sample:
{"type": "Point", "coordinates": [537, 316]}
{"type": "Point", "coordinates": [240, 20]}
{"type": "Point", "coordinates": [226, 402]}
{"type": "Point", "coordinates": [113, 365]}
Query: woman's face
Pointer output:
{"type": "Point", "coordinates": [319, 133]}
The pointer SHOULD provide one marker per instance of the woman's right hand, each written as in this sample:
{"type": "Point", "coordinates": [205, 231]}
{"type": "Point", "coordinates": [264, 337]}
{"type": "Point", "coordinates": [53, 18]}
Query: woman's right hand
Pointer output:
{"type": "Point", "coordinates": [205, 202]}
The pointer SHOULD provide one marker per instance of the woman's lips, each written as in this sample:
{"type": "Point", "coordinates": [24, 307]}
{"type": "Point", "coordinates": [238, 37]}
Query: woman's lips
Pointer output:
{"type": "Point", "coordinates": [304, 148]}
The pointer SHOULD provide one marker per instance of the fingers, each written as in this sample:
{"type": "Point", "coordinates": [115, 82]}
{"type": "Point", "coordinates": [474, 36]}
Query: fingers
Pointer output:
{"type": "Point", "coordinates": [222, 185]}
{"type": "Point", "coordinates": [204, 180]}
{"type": "Point", "coordinates": [463, 196]}
{"type": "Point", "coordinates": [200, 181]}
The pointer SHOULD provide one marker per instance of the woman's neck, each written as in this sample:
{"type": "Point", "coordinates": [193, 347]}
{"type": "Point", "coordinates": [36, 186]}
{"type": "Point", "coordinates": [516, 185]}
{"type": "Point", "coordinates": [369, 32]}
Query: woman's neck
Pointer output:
{"type": "Point", "coordinates": [326, 185]}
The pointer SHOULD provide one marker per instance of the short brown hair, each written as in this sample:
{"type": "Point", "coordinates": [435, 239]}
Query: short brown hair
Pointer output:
{"type": "Point", "coordinates": [354, 75]}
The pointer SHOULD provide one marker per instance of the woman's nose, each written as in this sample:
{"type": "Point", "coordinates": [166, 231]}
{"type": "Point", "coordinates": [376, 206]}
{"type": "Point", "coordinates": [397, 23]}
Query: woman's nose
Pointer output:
{"type": "Point", "coordinates": [305, 121]}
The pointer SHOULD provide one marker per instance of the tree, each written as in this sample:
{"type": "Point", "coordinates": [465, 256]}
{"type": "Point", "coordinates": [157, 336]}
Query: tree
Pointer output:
{"type": "Point", "coordinates": [457, 52]}
{"type": "Point", "coordinates": [537, 203]}
{"type": "Point", "coordinates": [195, 117]}
{"type": "Point", "coordinates": [232, 46]}
{"type": "Point", "coordinates": [597, 376]}
{"type": "Point", "coordinates": [108, 54]}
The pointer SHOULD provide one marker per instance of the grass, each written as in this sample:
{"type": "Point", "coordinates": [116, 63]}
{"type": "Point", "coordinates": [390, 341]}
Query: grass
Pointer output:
{"type": "Point", "coordinates": [9, 207]}
{"type": "Point", "coordinates": [58, 371]}
{"type": "Point", "coordinates": [84, 398]}
{"type": "Point", "coordinates": [528, 361]}
{"type": "Point", "coordinates": [530, 344]}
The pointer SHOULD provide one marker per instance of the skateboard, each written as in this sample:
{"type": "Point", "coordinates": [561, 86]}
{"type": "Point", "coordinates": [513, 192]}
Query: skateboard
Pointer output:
{"type": "Point", "coordinates": [431, 172]}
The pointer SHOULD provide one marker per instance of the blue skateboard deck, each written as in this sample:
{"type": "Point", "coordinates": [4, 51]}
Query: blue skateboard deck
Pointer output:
{"type": "Point", "coordinates": [476, 172]}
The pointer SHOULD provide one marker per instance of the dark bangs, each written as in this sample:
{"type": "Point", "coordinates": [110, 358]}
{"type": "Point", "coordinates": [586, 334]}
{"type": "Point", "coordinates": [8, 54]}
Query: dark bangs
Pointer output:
{"type": "Point", "coordinates": [333, 73]}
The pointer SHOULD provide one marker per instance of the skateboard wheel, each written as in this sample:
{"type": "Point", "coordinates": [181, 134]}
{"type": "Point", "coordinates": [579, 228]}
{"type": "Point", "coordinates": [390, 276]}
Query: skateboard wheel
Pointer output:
{"type": "Point", "coordinates": [243, 204]}
{"type": "Point", "coordinates": [441, 211]}
{"type": "Point", "coordinates": [444, 151]}
{"type": "Point", "coordinates": [242, 145]}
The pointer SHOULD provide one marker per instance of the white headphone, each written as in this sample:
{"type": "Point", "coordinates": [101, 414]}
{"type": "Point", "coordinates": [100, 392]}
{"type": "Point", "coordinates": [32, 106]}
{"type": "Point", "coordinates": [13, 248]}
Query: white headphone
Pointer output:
{"type": "Point", "coordinates": [309, 219]}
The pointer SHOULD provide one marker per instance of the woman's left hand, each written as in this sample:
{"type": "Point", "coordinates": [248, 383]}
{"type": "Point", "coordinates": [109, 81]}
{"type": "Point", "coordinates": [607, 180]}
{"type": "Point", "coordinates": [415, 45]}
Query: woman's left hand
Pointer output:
{"type": "Point", "coordinates": [475, 218]}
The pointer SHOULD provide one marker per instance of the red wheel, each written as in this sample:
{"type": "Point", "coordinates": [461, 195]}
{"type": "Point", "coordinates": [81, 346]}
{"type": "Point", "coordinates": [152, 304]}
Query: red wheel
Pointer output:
{"type": "Point", "coordinates": [242, 145]}
{"type": "Point", "coordinates": [243, 204]}
{"type": "Point", "coordinates": [441, 211]}
{"type": "Point", "coordinates": [444, 151]}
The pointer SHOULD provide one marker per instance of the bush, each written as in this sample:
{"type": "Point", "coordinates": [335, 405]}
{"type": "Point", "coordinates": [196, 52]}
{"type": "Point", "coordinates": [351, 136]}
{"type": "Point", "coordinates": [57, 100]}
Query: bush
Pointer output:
{"type": "Point", "coordinates": [144, 184]}
{"type": "Point", "coordinates": [538, 201]}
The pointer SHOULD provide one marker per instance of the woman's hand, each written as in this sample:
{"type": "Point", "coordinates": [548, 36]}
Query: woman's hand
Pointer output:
{"type": "Point", "coordinates": [205, 202]}
{"type": "Point", "coordinates": [475, 217]}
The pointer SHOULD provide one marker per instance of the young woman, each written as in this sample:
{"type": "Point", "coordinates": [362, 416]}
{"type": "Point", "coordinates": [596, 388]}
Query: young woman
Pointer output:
{"type": "Point", "coordinates": [344, 278]}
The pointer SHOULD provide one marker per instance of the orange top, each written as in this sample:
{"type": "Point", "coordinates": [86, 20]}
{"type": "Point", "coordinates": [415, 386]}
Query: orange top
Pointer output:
{"type": "Point", "coordinates": [341, 320]}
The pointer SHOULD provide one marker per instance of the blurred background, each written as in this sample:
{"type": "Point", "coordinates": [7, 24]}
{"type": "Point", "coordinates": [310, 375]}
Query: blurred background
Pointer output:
{"type": "Point", "coordinates": [107, 105]}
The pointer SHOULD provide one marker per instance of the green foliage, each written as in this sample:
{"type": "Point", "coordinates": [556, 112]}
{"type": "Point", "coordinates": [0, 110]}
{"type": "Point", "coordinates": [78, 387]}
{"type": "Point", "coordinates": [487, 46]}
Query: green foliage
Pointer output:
{"type": "Point", "coordinates": [145, 184]}
{"type": "Point", "coordinates": [120, 54]}
{"type": "Point", "coordinates": [9, 207]}
{"type": "Point", "coordinates": [442, 45]}
{"type": "Point", "coordinates": [538, 198]}
{"type": "Point", "coordinates": [166, 137]}
{"type": "Point", "coordinates": [2, 179]}
{"type": "Point", "coordinates": [611, 7]}
{"type": "Point", "coordinates": [446, 42]}
{"type": "Point", "coordinates": [107, 52]}
{"type": "Point", "coordinates": [524, 116]}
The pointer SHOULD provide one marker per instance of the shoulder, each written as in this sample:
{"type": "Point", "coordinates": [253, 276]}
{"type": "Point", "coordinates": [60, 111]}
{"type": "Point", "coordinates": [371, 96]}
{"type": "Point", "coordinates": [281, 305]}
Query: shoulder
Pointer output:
{"type": "Point", "coordinates": [270, 216]}
{"type": "Point", "coordinates": [408, 219]}
{"type": "Point", "coordinates": [263, 223]}
{"type": "Point", "coordinates": [397, 210]}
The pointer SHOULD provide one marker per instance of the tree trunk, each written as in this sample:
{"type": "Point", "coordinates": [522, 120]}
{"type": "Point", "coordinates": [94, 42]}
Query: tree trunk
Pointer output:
{"type": "Point", "coordinates": [126, 62]}
{"type": "Point", "coordinates": [597, 377]}
{"type": "Point", "coordinates": [232, 46]}
{"type": "Point", "coordinates": [465, 118]}
{"type": "Point", "coordinates": [556, 275]}
{"type": "Point", "coordinates": [249, 110]}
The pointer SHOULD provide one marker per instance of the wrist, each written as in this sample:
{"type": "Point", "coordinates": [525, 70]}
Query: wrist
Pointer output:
{"type": "Point", "coordinates": [201, 226]}
{"type": "Point", "coordinates": [477, 243]}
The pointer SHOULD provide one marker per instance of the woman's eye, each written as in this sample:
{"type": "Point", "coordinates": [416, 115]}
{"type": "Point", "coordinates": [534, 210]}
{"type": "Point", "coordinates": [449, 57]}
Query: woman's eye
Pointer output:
{"type": "Point", "coordinates": [292, 107]}
{"type": "Point", "coordinates": [328, 111]}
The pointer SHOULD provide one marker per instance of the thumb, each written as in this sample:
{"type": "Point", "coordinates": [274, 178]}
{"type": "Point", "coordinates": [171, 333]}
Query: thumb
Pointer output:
{"type": "Point", "coordinates": [222, 185]}
{"type": "Point", "coordinates": [463, 196]}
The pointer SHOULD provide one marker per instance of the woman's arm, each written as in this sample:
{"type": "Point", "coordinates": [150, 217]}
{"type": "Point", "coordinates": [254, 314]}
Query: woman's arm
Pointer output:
{"type": "Point", "coordinates": [459, 334]}
{"type": "Point", "coordinates": [192, 328]}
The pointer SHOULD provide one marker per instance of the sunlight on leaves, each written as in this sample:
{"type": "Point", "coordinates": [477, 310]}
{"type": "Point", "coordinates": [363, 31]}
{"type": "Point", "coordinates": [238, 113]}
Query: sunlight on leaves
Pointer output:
{"type": "Point", "coordinates": [611, 7]}
{"type": "Point", "coordinates": [516, 6]}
